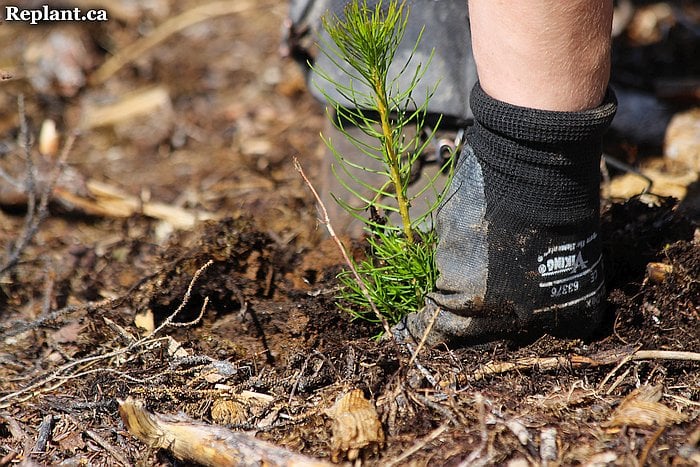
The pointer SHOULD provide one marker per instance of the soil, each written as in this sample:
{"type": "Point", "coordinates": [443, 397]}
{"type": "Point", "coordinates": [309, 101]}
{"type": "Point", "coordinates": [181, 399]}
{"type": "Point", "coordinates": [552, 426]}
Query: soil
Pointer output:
{"type": "Point", "coordinates": [245, 302]}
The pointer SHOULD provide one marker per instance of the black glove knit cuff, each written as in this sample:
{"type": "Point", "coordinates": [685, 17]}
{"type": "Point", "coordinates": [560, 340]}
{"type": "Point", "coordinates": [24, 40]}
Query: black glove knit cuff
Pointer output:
{"type": "Point", "coordinates": [542, 126]}
{"type": "Point", "coordinates": [541, 167]}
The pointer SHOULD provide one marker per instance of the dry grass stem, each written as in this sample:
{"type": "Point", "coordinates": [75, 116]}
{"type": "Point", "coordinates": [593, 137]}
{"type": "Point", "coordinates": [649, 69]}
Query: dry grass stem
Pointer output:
{"type": "Point", "coordinates": [424, 338]}
{"type": "Point", "coordinates": [419, 445]}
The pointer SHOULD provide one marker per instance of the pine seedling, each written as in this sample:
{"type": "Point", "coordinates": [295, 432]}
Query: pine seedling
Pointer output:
{"type": "Point", "coordinates": [399, 269]}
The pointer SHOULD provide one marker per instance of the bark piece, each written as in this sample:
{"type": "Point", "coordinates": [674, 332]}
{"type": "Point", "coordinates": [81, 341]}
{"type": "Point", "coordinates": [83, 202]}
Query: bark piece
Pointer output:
{"type": "Point", "coordinates": [356, 426]}
{"type": "Point", "coordinates": [641, 408]}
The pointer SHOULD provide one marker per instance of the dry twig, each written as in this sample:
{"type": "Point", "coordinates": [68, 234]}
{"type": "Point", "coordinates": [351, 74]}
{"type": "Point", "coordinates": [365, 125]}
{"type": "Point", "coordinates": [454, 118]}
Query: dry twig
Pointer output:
{"type": "Point", "coordinates": [647, 447]}
{"type": "Point", "coordinates": [420, 444]}
{"type": "Point", "coordinates": [60, 373]}
{"type": "Point", "coordinates": [36, 214]}
{"type": "Point", "coordinates": [20, 326]}
{"type": "Point", "coordinates": [325, 220]}
{"type": "Point", "coordinates": [619, 357]}
{"type": "Point", "coordinates": [44, 434]}
{"type": "Point", "coordinates": [421, 344]}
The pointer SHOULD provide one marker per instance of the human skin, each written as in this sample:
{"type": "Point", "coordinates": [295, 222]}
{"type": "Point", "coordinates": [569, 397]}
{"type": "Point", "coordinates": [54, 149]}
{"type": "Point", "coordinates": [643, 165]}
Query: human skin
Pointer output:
{"type": "Point", "coordinates": [543, 54]}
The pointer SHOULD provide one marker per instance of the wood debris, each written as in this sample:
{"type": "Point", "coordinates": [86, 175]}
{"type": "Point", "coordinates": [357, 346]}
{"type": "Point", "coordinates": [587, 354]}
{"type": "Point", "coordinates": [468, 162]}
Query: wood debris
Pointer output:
{"type": "Point", "coordinates": [208, 445]}
{"type": "Point", "coordinates": [144, 117]}
{"type": "Point", "coordinates": [109, 201]}
{"type": "Point", "coordinates": [658, 272]}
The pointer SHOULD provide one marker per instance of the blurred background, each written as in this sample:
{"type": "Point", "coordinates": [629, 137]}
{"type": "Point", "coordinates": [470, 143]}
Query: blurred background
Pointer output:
{"type": "Point", "coordinates": [195, 107]}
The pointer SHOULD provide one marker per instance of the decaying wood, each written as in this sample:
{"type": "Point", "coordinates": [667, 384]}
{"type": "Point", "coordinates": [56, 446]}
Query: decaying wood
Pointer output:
{"type": "Point", "coordinates": [193, 441]}
{"type": "Point", "coordinates": [103, 200]}
{"type": "Point", "coordinates": [129, 106]}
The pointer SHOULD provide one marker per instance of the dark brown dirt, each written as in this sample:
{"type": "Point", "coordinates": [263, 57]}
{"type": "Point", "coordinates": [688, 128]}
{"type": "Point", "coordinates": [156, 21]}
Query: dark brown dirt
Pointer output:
{"type": "Point", "coordinates": [261, 317]}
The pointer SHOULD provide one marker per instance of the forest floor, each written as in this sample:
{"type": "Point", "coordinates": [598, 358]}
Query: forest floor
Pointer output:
{"type": "Point", "coordinates": [169, 258]}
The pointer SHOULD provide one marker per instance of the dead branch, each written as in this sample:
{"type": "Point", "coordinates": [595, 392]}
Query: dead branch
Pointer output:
{"type": "Point", "coordinates": [578, 361]}
{"type": "Point", "coordinates": [109, 201]}
{"type": "Point", "coordinates": [542, 363]}
{"type": "Point", "coordinates": [666, 355]}
{"type": "Point", "coordinates": [168, 28]}
{"type": "Point", "coordinates": [209, 445]}
{"type": "Point", "coordinates": [20, 326]}
{"type": "Point", "coordinates": [44, 434]}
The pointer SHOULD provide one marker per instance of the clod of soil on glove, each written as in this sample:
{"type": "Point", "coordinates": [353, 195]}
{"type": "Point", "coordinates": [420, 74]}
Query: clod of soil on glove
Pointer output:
{"type": "Point", "coordinates": [183, 278]}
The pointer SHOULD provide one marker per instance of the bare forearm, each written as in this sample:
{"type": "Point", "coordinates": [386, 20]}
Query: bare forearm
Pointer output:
{"type": "Point", "coordinates": [544, 54]}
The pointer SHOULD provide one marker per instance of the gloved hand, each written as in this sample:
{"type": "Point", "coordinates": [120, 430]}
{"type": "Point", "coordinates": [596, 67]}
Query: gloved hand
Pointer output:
{"type": "Point", "coordinates": [519, 245]}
